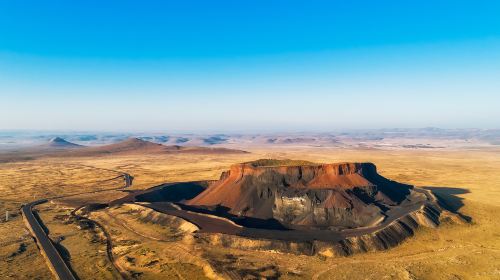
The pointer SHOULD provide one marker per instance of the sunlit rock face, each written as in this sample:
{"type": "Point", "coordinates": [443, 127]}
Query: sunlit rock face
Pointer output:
{"type": "Point", "coordinates": [323, 208]}
{"type": "Point", "coordinates": [305, 195]}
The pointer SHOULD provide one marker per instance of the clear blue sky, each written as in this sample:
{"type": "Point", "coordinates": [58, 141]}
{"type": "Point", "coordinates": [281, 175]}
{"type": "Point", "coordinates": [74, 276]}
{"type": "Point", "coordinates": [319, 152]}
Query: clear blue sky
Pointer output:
{"type": "Point", "coordinates": [256, 65]}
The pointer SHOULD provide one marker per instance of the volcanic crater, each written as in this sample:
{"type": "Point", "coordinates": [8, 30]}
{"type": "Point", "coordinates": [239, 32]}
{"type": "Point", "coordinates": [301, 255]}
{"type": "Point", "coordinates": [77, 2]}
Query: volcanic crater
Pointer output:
{"type": "Point", "coordinates": [299, 206]}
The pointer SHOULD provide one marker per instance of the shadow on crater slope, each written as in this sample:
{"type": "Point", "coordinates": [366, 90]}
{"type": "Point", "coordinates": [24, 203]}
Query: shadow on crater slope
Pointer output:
{"type": "Point", "coordinates": [448, 199]}
{"type": "Point", "coordinates": [302, 207]}
{"type": "Point", "coordinates": [173, 192]}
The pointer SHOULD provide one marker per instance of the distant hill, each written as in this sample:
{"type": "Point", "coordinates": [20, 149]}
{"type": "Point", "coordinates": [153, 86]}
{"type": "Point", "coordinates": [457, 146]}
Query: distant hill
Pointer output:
{"type": "Point", "coordinates": [60, 143]}
{"type": "Point", "coordinates": [131, 145]}
{"type": "Point", "coordinates": [55, 146]}
{"type": "Point", "coordinates": [58, 147]}
{"type": "Point", "coordinates": [138, 146]}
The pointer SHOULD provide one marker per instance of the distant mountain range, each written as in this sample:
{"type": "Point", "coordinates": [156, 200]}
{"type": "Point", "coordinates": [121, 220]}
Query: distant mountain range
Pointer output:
{"type": "Point", "coordinates": [59, 147]}
{"type": "Point", "coordinates": [416, 138]}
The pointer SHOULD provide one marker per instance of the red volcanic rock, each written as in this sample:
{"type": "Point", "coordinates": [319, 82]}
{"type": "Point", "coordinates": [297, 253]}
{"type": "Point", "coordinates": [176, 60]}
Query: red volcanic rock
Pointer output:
{"type": "Point", "coordinates": [304, 194]}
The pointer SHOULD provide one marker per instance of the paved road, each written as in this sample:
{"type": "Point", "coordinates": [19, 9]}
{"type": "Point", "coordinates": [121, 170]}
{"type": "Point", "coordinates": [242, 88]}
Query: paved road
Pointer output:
{"type": "Point", "coordinates": [59, 267]}
{"type": "Point", "coordinates": [56, 261]}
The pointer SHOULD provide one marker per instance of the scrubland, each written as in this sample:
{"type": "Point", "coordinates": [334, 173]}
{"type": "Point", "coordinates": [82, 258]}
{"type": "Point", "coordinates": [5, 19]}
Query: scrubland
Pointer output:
{"type": "Point", "coordinates": [467, 180]}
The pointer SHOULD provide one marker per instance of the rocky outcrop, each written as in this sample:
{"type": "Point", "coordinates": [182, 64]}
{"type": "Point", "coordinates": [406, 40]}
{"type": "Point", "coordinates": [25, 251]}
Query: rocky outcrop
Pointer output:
{"type": "Point", "coordinates": [390, 235]}
{"type": "Point", "coordinates": [323, 209]}
{"type": "Point", "coordinates": [430, 215]}
{"type": "Point", "coordinates": [326, 196]}
{"type": "Point", "coordinates": [302, 208]}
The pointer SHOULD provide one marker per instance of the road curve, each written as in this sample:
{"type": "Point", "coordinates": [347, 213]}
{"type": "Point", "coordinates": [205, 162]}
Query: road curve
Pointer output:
{"type": "Point", "coordinates": [54, 259]}
{"type": "Point", "coordinates": [208, 223]}
{"type": "Point", "coordinates": [56, 262]}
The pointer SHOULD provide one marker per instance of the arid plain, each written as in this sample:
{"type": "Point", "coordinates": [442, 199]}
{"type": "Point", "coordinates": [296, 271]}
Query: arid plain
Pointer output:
{"type": "Point", "coordinates": [150, 245]}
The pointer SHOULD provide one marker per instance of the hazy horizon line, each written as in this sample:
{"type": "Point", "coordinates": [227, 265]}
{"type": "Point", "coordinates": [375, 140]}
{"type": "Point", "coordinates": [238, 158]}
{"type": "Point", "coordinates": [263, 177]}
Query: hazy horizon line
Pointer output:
{"type": "Point", "coordinates": [220, 131]}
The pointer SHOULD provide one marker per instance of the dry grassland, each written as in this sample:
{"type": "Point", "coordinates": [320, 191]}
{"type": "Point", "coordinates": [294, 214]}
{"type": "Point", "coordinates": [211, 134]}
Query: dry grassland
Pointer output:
{"type": "Point", "coordinates": [469, 181]}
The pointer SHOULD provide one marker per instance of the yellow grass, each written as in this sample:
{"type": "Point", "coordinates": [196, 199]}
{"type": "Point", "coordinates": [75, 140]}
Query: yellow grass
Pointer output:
{"type": "Point", "coordinates": [468, 180]}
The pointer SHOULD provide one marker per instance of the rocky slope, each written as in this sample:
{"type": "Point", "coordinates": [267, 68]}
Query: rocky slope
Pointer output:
{"type": "Point", "coordinates": [350, 242]}
{"type": "Point", "coordinates": [300, 207]}
{"type": "Point", "coordinates": [304, 195]}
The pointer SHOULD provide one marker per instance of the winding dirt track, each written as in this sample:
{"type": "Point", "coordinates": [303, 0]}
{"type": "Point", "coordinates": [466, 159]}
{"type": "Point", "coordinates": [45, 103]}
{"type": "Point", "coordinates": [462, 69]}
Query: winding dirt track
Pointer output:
{"type": "Point", "coordinates": [214, 224]}
{"type": "Point", "coordinates": [207, 224]}
{"type": "Point", "coordinates": [109, 243]}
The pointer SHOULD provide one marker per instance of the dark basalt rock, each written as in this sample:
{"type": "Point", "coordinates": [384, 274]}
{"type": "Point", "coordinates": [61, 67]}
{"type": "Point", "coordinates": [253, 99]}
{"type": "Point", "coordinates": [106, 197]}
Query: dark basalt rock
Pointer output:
{"type": "Point", "coordinates": [326, 196]}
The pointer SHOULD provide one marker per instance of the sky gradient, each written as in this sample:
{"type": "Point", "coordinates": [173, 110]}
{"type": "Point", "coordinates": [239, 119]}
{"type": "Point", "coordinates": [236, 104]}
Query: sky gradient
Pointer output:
{"type": "Point", "coordinates": [248, 65]}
